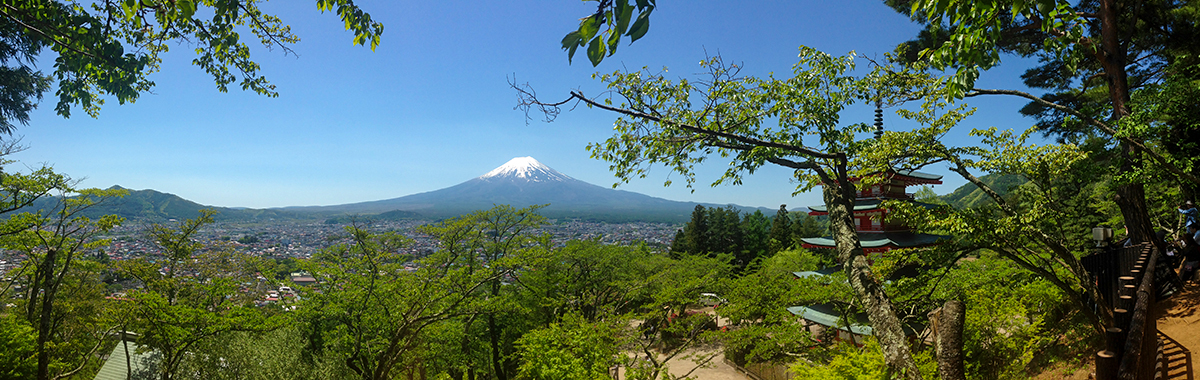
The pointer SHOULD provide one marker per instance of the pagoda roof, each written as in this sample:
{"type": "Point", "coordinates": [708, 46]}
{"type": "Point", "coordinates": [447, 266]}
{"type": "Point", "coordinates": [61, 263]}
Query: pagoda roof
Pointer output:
{"type": "Point", "coordinates": [920, 175]}
{"type": "Point", "coordinates": [864, 204]}
{"type": "Point", "coordinates": [913, 177]}
{"type": "Point", "coordinates": [859, 205]}
{"type": "Point", "coordinates": [890, 239]}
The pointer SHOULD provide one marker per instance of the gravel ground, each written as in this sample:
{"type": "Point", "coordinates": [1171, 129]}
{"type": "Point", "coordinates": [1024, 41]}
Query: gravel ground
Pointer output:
{"type": "Point", "coordinates": [716, 369]}
{"type": "Point", "coordinates": [1178, 320]}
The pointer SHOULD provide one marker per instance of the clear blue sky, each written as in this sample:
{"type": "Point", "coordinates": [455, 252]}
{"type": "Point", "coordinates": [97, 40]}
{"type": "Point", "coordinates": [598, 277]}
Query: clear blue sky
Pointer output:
{"type": "Point", "coordinates": [431, 106]}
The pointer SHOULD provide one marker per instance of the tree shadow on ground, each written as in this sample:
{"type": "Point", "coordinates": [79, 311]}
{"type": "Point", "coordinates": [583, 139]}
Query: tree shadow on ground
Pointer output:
{"type": "Point", "coordinates": [1180, 305]}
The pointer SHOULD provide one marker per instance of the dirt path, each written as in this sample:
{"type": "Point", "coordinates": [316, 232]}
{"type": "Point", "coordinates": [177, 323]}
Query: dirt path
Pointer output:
{"type": "Point", "coordinates": [1178, 321]}
{"type": "Point", "coordinates": [715, 369]}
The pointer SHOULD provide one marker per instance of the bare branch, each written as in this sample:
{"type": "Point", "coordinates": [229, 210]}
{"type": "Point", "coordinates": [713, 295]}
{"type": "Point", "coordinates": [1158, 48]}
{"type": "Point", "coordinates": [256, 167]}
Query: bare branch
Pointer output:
{"type": "Point", "coordinates": [527, 99]}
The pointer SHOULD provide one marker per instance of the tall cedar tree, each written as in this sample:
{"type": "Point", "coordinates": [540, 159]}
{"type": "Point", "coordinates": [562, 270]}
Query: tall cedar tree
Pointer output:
{"type": "Point", "coordinates": [696, 231]}
{"type": "Point", "coordinates": [1094, 55]}
{"type": "Point", "coordinates": [781, 231]}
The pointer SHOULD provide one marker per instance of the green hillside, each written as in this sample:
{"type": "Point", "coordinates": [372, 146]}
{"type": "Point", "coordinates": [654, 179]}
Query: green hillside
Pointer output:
{"type": "Point", "coordinates": [154, 206]}
{"type": "Point", "coordinates": [390, 215]}
{"type": "Point", "coordinates": [970, 195]}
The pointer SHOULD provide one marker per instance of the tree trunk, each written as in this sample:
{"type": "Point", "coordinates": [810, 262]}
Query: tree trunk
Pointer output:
{"type": "Point", "coordinates": [43, 354]}
{"type": "Point", "coordinates": [1131, 197]}
{"type": "Point", "coordinates": [48, 288]}
{"type": "Point", "coordinates": [839, 198]}
{"type": "Point", "coordinates": [128, 361]}
{"type": "Point", "coordinates": [950, 341]}
{"type": "Point", "coordinates": [494, 336]}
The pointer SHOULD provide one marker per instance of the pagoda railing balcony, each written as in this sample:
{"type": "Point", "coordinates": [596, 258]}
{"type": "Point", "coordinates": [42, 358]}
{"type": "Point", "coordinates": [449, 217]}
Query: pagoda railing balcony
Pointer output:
{"type": "Point", "coordinates": [883, 229]}
{"type": "Point", "coordinates": [870, 194]}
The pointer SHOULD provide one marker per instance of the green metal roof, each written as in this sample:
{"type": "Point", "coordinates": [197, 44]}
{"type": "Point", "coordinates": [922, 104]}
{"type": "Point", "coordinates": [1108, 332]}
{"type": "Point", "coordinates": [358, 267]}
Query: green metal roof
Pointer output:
{"type": "Point", "coordinates": [819, 272]}
{"type": "Point", "coordinates": [826, 315]}
{"type": "Point", "coordinates": [144, 365]}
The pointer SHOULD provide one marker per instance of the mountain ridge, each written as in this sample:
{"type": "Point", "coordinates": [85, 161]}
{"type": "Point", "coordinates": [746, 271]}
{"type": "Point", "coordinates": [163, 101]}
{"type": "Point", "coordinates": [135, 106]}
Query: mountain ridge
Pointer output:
{"type": "Point", "coordinates": [524, 181]}
{"type": "Point", "coordinates": [156, 206]}
{"type": "Point", "coordinates": [521, 182]}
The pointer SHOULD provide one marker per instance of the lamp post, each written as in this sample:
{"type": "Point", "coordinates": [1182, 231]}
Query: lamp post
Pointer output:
{"type": "Point", "coordinates": [1101, 234]}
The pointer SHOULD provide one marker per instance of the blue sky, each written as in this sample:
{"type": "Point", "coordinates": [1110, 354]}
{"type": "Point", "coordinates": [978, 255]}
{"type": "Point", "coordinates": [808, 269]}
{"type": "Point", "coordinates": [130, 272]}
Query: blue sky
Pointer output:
{"type": "Point", "coordinates": [431, 106]}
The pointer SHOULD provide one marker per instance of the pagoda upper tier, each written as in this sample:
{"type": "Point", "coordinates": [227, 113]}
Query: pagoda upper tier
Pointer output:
{"type": "Point", "coordinates": [898, 180]}
{"type": "Point", "coordinates": [869, 214]}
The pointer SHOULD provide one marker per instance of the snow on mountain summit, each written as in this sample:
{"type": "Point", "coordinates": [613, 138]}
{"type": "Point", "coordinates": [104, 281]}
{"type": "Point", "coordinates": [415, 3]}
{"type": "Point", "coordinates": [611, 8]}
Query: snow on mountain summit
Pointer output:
{"type": "Point", "coordinates": [526, 168]}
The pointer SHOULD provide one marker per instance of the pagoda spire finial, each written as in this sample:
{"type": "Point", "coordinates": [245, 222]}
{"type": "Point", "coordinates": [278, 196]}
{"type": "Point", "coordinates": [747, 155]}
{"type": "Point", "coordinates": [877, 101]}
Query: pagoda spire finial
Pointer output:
{"type": "Point", "coordinates": [878, 117]}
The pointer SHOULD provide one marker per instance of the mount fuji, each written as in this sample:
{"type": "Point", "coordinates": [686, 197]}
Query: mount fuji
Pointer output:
{"type": "Point", "coordinates": [524, 181]}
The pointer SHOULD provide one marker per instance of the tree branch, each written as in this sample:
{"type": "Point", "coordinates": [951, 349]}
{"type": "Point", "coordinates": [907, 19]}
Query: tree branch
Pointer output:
{"type": "Point", "coordinates": [1097, 123]}
{"type": "Point", "coordinates": [46, 35]}
{"type": "Point", "coordinates": [695, 129]}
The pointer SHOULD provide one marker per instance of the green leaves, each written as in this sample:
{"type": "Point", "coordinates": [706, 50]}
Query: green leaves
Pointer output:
{"type": "Point", "coordinates": [572, 350]}
{"type": "Point", "coordinates": [186, 8]}
{"type": "Point", "coordinates": [371, 285]}
{"type": "Point", "coordinates": [195, 295]}
{"type": "Point", "coordinates": [112, 49]}
{"type": "Point", "coordinates": [18, 354]}
{"type": "Point", "coordinates": [976, 29]}
{"type": "Point", "coordinates": [365, 29]}
{"type": "Point", "coordinates": [571, 42]}
{"type": "Point", "coordinates": [747, 119]}
{"type": "Point", "coordinates": [640, 27]}
{"type": "Point", "coordinates": [590, 26]}
{"type": "Point", "coordinates": [603, 30]}
{"type": "Point", "coordinates": [595, 51]}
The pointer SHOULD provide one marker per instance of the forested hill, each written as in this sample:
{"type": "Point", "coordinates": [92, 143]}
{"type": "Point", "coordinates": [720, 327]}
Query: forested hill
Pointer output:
{"type": "Point", "coordinates": [155, 206]}
{"type": "Point", "coordinates": [970, 195]}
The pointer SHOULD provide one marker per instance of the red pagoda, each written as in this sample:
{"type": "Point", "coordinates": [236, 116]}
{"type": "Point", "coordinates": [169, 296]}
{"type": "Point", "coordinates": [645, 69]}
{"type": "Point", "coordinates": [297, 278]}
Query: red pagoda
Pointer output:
{"type": "Point", "coordinates": [878, 236]}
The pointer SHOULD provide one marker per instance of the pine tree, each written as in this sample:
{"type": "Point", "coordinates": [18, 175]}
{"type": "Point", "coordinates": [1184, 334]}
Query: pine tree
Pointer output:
{"type": "Point", "coordinates": [781, 231]}
{"type": "Point", "coordinates": [724, 231]}
{"type": "Point", "coordinates": [809, 227]}
{"type": "Point", "coordinates": [696, 231]}
{"type": "Point", "coordinates": [756, 228]}
{"type": "Point", "coordinates": [680, 244]}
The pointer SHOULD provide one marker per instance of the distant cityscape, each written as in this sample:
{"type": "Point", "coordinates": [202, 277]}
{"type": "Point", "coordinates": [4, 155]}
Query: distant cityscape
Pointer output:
{"type": "Point", "coordinates": [290, 239]}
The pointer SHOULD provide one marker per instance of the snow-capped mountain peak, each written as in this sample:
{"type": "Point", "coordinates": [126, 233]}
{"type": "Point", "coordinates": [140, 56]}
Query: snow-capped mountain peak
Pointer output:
{"type": "Point", "coordinates": [526, 168]}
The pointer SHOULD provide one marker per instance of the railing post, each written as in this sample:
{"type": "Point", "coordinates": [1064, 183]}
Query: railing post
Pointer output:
{"type": "Point", "coordinates": [1122, 317]}
{"type": "Point", "coordinates": [1114, 340]}
{"type": "Point", "coordinates": [1106, 365]}
{"type": "Point", "coordinates": [1131, 345]}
